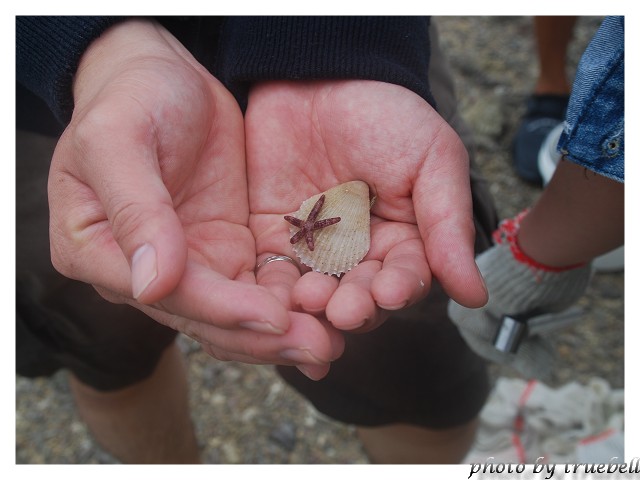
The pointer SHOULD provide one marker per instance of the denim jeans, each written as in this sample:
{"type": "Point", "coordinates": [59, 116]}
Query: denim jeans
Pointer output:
{"type": "Point", "coordinates": [593, 134]}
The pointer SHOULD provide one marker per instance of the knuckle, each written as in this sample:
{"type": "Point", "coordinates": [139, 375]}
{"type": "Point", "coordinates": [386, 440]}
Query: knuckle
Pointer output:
{"type": "Point", "coordinates": [127, 215]}
{"type": "Point", "coordinates": [218, 354]}
{"type": "Point", "coordinates": [193, 330]}
{"type": "Point", "coordinates": [94, 124]}
{"type": "Point", "coordinates": [250, 350]}
{"type": "Point", "coordinates": [61, 259]}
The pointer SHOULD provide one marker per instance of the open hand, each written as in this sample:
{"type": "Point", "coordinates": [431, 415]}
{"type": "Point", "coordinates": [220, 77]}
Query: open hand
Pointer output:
{"type": "Point", "coordinates": [305, 137]}
{"type": "Point", "coordinates": [148, 200]}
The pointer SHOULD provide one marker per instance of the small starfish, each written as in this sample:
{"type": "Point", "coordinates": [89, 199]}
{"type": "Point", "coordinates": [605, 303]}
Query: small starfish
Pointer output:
{"type": "Point", "coordinates": [310, 224]}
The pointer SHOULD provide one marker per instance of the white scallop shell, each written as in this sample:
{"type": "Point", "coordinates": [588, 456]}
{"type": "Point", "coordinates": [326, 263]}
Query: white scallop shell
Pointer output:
{"type": "Point", "coordinates": [339, 247]}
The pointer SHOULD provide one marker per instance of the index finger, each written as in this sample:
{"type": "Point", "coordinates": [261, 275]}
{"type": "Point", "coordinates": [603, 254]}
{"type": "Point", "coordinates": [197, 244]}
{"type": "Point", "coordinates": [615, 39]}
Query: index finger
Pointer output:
{"type": "Point", "coordinates": [206, 296]}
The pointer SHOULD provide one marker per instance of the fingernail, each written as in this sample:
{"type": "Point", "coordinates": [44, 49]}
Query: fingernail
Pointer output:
{"type": "Point", "coordinates": [352, 326]}
{"type": "Point", "coordinates": [262, 327]}
{"type": "Point", "coordinates": [398, 306]}
{"type": "Point", "coordinates": [300, 355]}
{"type": "Point", "coordinates": [484, 285]}
{"type": "Point", "coordinates": [144, 269]}
{"type": "Point", "coordinates": [308, 372]}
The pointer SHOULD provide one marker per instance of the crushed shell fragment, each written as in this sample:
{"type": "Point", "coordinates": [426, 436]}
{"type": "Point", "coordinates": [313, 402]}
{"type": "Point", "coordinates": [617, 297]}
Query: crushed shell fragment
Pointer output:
{"type": "Point", "coordinates": [339, 247]}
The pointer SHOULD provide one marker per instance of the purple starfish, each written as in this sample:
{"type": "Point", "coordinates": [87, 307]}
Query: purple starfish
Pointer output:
{"type": "Point", "coordinates": [310, 224]}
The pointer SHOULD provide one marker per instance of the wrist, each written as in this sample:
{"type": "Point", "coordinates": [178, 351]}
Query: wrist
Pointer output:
{"type": "Point", "coordinates": [513, 232]}
{"type": "Point", "coordinates": [121, 45]}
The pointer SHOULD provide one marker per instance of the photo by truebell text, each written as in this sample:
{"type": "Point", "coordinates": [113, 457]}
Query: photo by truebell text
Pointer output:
{"type": "Point", "coordinates": [547, 470]}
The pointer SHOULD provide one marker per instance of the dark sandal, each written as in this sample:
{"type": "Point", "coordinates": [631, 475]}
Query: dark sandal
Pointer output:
{"type": "Point", "coordinates": [543, 113]}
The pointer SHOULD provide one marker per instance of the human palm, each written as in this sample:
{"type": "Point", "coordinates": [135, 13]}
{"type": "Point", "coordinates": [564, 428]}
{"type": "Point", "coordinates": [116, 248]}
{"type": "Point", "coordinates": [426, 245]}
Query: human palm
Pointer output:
{"type": "Point", "coordinates": [305, 137]}
{"type": "Point", "coordinates": [148, 201]}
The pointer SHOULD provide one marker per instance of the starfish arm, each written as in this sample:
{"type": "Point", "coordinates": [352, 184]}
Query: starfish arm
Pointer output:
{"type": "Point", "coordinates": [294, 221]}
{"type": "Point", "coordinates": [315, 211]}
{"type": "Point", "coordinates": [299, 234]}
{"type": "Point", "coordinates": [309, 239]}
{"type": "Point", "coordinates": [325, 223]}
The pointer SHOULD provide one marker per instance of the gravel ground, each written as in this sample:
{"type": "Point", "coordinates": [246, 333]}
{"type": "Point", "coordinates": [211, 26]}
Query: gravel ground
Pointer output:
{"type": "Point", "coordinates": [245, 414]}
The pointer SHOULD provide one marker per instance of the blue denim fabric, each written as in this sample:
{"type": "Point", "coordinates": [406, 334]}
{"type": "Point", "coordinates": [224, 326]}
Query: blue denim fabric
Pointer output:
{"type": "Point", "coordinates": [593, 134]}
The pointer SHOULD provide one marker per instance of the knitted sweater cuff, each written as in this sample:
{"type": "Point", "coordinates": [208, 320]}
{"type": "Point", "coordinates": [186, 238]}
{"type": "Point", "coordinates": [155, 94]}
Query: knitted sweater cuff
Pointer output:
{"type": "Point", "coordinates": [48, 51]}
{"type": "Point", "coordinates": [389, 49]}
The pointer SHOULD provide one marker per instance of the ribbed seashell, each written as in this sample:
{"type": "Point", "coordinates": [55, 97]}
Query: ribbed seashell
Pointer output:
{"type": "Point", "coordinates": [339, 247]}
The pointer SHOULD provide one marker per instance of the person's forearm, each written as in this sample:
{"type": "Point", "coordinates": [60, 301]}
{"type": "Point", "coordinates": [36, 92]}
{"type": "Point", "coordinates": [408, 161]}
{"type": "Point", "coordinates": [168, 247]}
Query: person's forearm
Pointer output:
{"type": "Point", "coordinates": [579, 216]}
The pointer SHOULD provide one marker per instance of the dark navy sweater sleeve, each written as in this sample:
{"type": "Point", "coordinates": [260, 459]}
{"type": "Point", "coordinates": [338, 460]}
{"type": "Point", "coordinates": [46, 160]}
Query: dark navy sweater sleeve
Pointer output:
{"type": "Point", "coordinates": [248, 50]}
{"type": "Point", "coordinates": [48, 50]}
{"type": "Point", "coordinates": [390, 49]}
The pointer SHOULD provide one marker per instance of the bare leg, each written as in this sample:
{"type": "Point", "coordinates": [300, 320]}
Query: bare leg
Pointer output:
{"type": "Point", "coordinates": [545, 108]}
{"type": "Point", "coordinates": [402, 443]}
{"type": "Point", "coordinates": [553, 35]}
{"type": "Point", "coordinates": [145, 423]}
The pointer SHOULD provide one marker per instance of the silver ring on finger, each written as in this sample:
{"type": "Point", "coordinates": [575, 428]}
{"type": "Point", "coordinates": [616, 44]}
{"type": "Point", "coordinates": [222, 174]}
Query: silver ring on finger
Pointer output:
{"type": "Point", "coordinates": [277, 258]}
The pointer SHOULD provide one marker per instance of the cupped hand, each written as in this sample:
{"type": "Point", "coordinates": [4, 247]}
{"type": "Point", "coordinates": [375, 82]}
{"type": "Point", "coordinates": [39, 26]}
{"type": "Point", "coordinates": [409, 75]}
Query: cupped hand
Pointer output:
{"type": "Point", "coordinates": [305, 137]}
{"type": "Point", "coordinates": [148, 201]}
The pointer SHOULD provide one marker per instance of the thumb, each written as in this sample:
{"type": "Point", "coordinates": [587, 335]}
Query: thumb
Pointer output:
{"type": "Point", "coordinates": [139, 250]}
{"type": "Point", "coordinates": [145, 225]}
{"type": "Point", "coordinates": [151, 238]}
{"type": "Point", "coordinates": [443, 205]}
